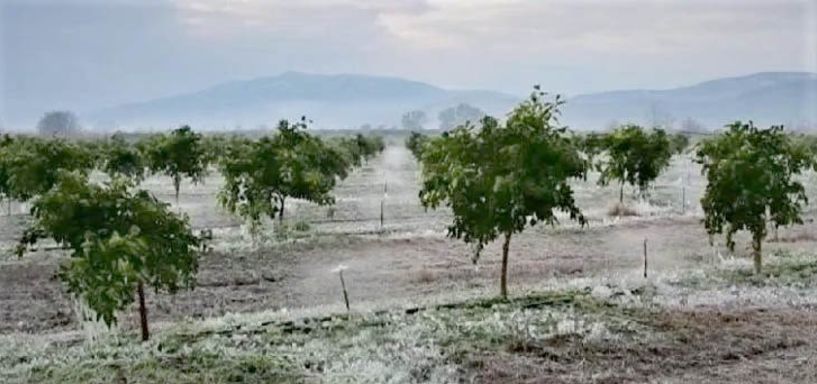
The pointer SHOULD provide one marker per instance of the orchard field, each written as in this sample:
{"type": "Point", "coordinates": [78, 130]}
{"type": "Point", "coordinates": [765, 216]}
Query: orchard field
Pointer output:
{"type": "Point", "coordinates": [580, 308]}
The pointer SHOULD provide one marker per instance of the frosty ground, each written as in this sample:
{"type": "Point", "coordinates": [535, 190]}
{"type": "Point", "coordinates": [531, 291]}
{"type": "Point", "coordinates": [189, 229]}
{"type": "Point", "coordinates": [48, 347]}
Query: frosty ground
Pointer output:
{"type": "Point", "coordinates": [581, 311]}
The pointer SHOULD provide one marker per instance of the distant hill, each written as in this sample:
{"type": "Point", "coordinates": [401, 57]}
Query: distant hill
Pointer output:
{"type": "Point", "coordinates": [331, 101]}
{"type": "Point", "coordinates": [348, 101]}
{"type": "Point", "coordinates": [767, 98]}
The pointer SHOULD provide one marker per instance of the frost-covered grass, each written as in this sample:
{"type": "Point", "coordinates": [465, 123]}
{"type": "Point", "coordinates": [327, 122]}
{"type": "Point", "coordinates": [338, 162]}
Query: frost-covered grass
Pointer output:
{"type": "Point", "coordinates": [430, 344]}
{"type": "Point", "coordinates": [780, 268]}
{"type": "Point", "coordinates": [583, 322]}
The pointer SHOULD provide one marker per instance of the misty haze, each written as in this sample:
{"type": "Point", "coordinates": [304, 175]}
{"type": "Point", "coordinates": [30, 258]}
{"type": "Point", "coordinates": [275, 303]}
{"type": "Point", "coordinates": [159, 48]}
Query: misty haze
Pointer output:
{"type": "Point", "coordinates": [409, 191]}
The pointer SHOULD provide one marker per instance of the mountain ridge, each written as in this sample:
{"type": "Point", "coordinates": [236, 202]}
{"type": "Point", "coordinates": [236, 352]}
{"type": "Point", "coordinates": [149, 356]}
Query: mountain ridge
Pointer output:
{"type": "Point", "coordinates": [351, 100]}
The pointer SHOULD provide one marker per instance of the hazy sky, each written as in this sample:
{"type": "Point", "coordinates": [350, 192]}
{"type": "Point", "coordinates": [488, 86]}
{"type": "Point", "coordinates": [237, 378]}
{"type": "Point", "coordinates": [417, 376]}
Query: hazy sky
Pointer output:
{"type": "Point", "coordinates": [88, 54]}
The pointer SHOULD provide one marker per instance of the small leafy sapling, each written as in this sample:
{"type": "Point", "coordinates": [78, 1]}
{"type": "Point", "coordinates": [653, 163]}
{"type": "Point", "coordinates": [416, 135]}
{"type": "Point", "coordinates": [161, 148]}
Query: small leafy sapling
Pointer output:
{"type": "Point", "coordinates": [415, 143]}
{"type": "Point", "coordinates": [120, 242]}
{"type": "Point", "coordinates": [499, 179]}
{"type": "Point", "coordinates": [751, 182]}
{"type": "Point", "coordinates": [122, 159]}
{"type": "Point", "coordinates": [309, 168]}
{"type": "Point", "coordinates": [32, 165]}
{"type": "Point", "coordinates": [679, 143]}
{"type": "Point", "coordinates": [260, 176]}
{"type": "Point", "coordinates": [634, 157]}
{"type": "Point", "coordinates": [182, 153]}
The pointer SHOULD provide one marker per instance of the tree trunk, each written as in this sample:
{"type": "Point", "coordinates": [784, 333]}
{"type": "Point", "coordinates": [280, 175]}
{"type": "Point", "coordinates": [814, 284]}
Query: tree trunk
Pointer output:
{"type": "Point", "coordinates": [621, 193]}
{"type": "Point", "coordinates": [281, 211]}
{"type": "Point", "coordinates": [143, 311]}
{"type": "Point", "coordinates": [177, 182]}
{"type": "Point", "coordinates": [503, 279]}
{"type": "Point", "coordinates": [756, 248]}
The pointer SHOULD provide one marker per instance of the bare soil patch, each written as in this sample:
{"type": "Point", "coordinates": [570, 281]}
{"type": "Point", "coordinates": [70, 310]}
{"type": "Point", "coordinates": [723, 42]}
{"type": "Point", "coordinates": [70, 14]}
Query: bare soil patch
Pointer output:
{"type": "Point", "coordinates": [701, 345]}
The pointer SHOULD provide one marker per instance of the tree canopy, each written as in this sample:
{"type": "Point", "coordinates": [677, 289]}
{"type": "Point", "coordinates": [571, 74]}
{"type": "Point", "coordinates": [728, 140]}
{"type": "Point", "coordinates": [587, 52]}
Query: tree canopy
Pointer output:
{"type": "Point", "coordinates": [31, 166]}
{"type": "Point", "coordinates": [261, 175]}
{"type": "Point", "coordinates": [751, 182]}
{"type": "Point", "coordinates": [634, 156]}
{"type": "Point", "coordinates": [415, 143]}
{"type": "Point", "coordinates": [119, 241]}
{"type": "Point", "coordinates": [498, 179]}
{"type": "Point", "coordinates": [180, 154]}
{"type": "Point", "coordinates": [122, 159]}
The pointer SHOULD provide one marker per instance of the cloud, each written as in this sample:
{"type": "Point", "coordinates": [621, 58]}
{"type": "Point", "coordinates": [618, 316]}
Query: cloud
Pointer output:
{"type": "Point", "coordinates": [91, 53]}
{"type": "Point", "coordinates": [703, 37]}
{"type": "Point", "coordinates": [297, 20]}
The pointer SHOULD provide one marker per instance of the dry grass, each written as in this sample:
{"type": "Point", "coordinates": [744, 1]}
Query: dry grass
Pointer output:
{"type": "Point", "coordinates": [794, 238]}
{"type": "Point", "coordinates": [424, 275]}
{"type": "Point", "coordinates": [621, 210]}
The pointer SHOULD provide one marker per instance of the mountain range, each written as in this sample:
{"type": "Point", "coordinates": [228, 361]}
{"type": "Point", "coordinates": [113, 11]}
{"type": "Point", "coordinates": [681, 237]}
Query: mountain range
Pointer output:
{"type": "Point", "coordinates": [349, 101]}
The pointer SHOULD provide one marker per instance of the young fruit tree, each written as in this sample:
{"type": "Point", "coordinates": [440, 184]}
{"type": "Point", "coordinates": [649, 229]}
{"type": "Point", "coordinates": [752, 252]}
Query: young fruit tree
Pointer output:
{"type": "Point", "coordinates": [260, 176]}
{"type": "Point", "coordinates": [370, 146]}
{"type": "Point", "coordinates": [750, 175]}
{"type": "Point", "coordinates": [679, 142]}
{"type": "Point", "coordinates": [119, 241]}
{"type": "Point", "coordinates": [499, 179]}
{"type": "Point", "coordinates": [309, 168]}
{"type": "Point", "coordinates": [415, 143]}
{"type": "Point", "coordinates": [634, 157]}
{"type": "Point", "coordinates": [122, 159]}
{"type": "Point", "coordinates": [182, 153]}
{"type": "Point", "coordinates": [32, 165]}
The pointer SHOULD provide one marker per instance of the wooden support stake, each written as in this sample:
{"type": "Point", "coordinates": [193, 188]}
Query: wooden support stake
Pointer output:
{"type": "Point", "coordinates": [381, 213]}
{"type": "Point", "coordinates": [645, 258]}
{"type": "Point", "coordinates": [345, 295]}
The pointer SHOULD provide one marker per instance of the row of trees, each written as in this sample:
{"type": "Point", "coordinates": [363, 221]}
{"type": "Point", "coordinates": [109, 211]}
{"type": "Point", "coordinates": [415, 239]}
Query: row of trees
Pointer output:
{"type": "Point", "coordinates": [122, 239]}
{"type": "Point", "coordinates": [629, 155]}
{"type": "Point", "coordinates": [261, 175]}
{"type": "Point", "coordinates": [500, 178]}
{"type": "Point", "coordinates": [448, 118]}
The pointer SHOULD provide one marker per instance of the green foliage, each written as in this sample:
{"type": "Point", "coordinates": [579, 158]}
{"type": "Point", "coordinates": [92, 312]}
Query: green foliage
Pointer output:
{"type": "Point", "coordinates": [750, 174]}
{"type": "Point", "coordinates": [30, 166]}
{"type": "Point", "coordinates": [498, 179]}
{"type": "Point", "coordinates": [370, 146]}
{"type": "Point", "coordinates": [634, 157]}
{"type": "Point", "coordinates": [215, 147]}
{"type": "Point", "coordinates": [117, 239]}
{"type": "Point", "coordinates": [590, 144]}
{"type": "Point", "coordinates": [122, 159]}
{"type": "Point", "coordinates": [5, 188]}
{"type": "Point", "coordinates": [180, 154]}
{"type": "Point", "coordinates": [415, 143]}
{"type": "Point", "coordinates": [260, 176]}
{"type": "Point", "coordinates": [679, 142]}
{"type": "Point", "coordinates": [357, 149]}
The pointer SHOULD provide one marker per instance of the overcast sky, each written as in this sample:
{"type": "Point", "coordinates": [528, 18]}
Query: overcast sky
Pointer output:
{"type": "Point", "coordinates": [89, 54]}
